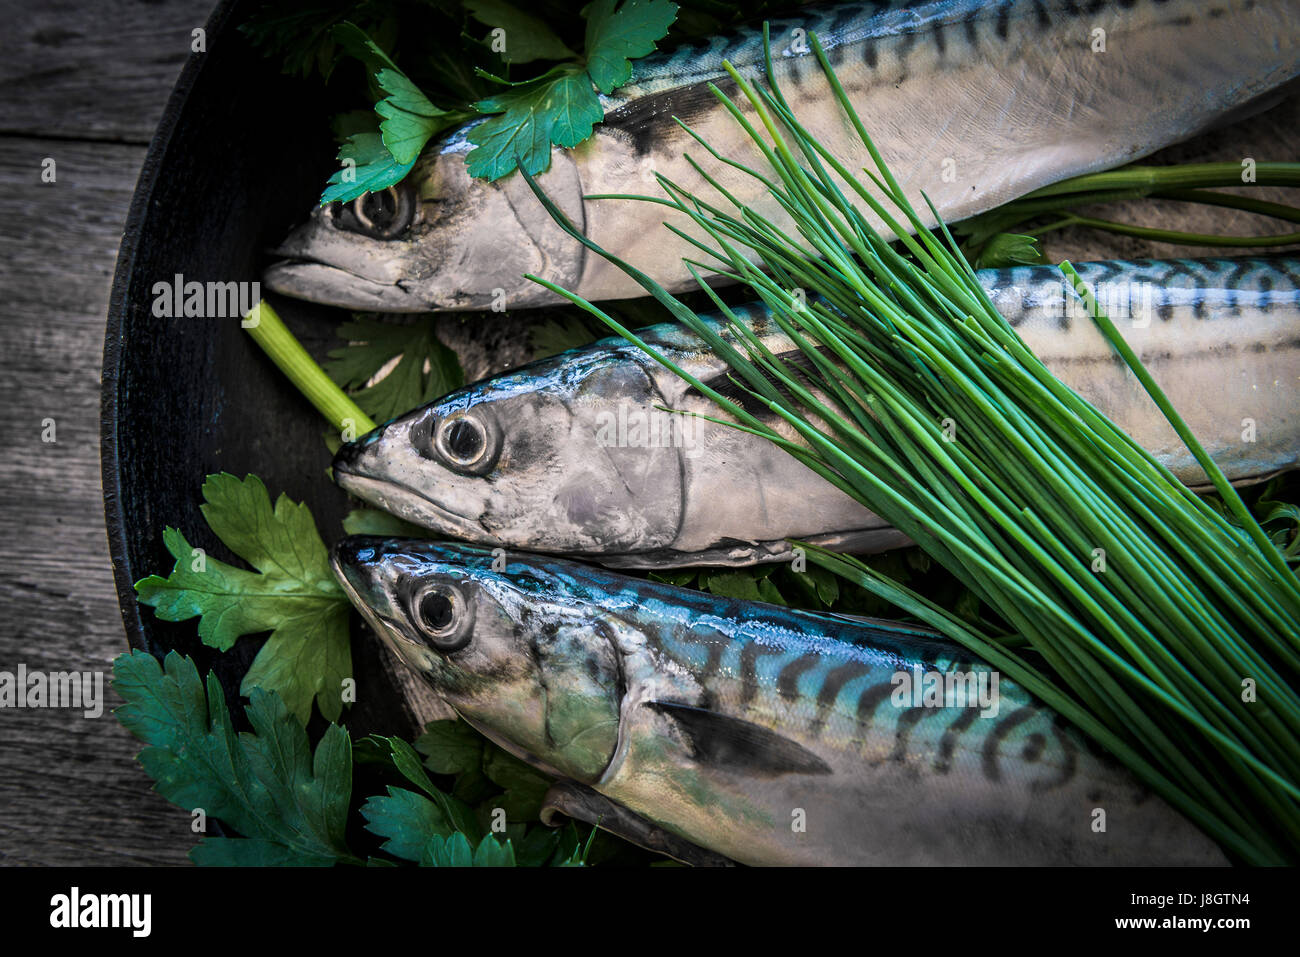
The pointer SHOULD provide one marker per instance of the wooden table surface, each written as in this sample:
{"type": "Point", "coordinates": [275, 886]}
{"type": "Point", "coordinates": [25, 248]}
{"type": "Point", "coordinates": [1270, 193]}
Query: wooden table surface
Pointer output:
{"type": "Point", "coordinates": [83, 84]}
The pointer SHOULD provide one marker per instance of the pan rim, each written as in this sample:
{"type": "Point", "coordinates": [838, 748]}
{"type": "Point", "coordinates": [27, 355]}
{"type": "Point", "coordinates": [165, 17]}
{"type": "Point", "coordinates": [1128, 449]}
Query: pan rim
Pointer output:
{"type": "Point", "coordinates": [124, 281]}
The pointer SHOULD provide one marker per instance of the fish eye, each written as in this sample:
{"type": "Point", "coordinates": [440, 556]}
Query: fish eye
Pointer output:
{"type": "Point", "coordinates": [436, 612]}
{"type": "Point", "coordinates": [444, 616]}
{"type": "Point", "coordinates": [465, 442]}
{"type": "Point", "coordinates": [381, 215]}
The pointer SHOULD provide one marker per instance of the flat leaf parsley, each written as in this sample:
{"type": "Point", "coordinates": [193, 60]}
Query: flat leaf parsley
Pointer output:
{"type": "Point", "coordinates": [292, 594]}
{"type": "Point", "coordinates": [408, 120]}
{"type": "Point", "coordinates": [290, 805]}
{"type": "Point", "coordinates": [561, 107]}
{"type": "Point", "coordinates": [426, 369]}
{"type": "Point", "coordinates": [616, 37]}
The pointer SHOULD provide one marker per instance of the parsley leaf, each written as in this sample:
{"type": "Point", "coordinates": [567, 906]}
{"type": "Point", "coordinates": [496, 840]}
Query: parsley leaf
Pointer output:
{"type": "Point", "coordinates": [455, 851]}
{"type": "Point", "coordinates": [293, 594]}
{"type": "Point", "coordinates": [408, 120]}
{"type": "Point", "coordinates": [538, 845]}
{"type": "Point", "coordinates": [1280, 517]}
{"type": "Point", "coordinates": [367, 167]}
{"type": "Point", "coordinates": [524, 785]}
{"type": "Point", "coordinates": [746, 587]}
{"type": "Point", "coordinates": [616, 37]}
{"type": "Point", "coordinates": [404, 758]}
{"type": "Point", "coordinates": [818, 588]}
{"type": "Point", "coordinates": [556, 335]}
{"type": "Point", "coordinates": [301, 33]}
{"type": "Point", "coordinates": [290, 805]}
{"type": "Point", "coordinates": [821, 588]}
{"type": "Point", "coordinates": [561, 107]}
{"type": "Point", "coordinates": [407, 820]}
{"type": "Point", "coordinates": [527, 38]}
{"type": "Point", "coordinates": [450, 747]}
{"type": "Point", "coordinates": [454, 748]}
{"type": "Point", "coordinates": [574, 110]}
{"type": "Point", "coordinates": [682, 578]}
{"type": "Point", "coordinates": [425, 371]}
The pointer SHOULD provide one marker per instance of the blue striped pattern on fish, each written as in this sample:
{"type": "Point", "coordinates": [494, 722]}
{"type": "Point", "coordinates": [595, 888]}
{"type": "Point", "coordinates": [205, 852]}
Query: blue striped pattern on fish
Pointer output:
{"type": "Point", "coordinates": [975, 103]}
{"type": "Point", "coordinates": [1212, 289]}
{"type": "Point", "coordinates": [768, 735]}
{"type": "Point", "coordinates": [879, 34]}
{"type": "Point", "coordinates": [569, 472]}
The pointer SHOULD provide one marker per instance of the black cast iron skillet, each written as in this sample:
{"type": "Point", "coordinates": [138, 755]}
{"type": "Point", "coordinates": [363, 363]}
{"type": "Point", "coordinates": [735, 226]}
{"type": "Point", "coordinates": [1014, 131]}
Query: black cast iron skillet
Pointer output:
{"type": "Point", "coordinates": [240, 155]}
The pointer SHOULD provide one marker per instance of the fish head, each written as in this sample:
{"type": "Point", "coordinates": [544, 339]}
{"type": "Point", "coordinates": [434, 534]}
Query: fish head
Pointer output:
{"type": "Point", "coordinates": [566, 455]}
{"type": "Point", "coordinates": [498, 642]}
{"type": "Point", "coordinates": [439, 239]}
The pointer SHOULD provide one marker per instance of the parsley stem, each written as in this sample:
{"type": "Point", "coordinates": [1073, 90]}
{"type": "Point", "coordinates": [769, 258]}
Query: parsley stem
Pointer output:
{"type": "Point", "coordinates": [270, 332]}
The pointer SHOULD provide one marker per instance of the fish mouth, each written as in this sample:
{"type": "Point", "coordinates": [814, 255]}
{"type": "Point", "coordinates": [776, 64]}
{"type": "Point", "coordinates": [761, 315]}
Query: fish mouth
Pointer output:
{"type": "Point", "coordinates": [345, 581]}
{"type": "Point", "coordinates": [344, 557]}
{"type": "Point", "coordinates": [392, 495]}
{"type": "Point", "coordinates": [322, 282]}
{"type": "Point", "coordinates": [347, 561]}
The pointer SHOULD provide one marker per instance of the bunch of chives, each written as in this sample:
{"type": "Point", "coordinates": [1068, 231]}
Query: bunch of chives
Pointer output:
{"type": "Point", "coordinates": [1181, 657]}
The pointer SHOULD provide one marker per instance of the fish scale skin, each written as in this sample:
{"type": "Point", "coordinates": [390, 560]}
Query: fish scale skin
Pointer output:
{"type": "Point", "coordinates": [795, 719]}
{"type": "Point", "coordinates": [842, 25]}
{"type": "Point", "coordinates": [1232, 287]}
{"type": "Point", "coordinates": [973, 103]}
{"type": "Point", "coordinates": [1009, 113]}
{"type": "Point", "coordinates": [1016, 787]}
{"type": "Point", "coordinates": [722, 496]}
{"type": "Point", "coordinates": [1235, 323]}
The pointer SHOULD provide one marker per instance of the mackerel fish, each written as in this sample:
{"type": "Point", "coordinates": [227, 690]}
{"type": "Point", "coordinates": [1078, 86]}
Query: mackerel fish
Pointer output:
{"type": "Point", "coordinates": [717, 730]}
{"type": "Point", "coordinates": [971, 101]}
{"type": "Point", "coordinates": [576, 455]}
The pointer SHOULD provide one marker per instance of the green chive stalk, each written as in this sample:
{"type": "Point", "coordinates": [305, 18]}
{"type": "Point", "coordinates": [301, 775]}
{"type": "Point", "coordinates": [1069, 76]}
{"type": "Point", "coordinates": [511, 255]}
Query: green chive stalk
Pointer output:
{"type": "Point", "coordinates": [1187, 176]}
{"type": "Point", "coordinates": [1186, 183]}
{"type": "Point", "coordinates": [1165, 630]}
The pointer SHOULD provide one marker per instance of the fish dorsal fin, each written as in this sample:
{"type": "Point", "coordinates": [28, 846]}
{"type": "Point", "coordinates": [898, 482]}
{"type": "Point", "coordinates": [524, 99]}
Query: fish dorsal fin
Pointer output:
{"type": "Point", "coordinates": [733, 744]}
{"type": "Point", "coordinates": [583, 804]}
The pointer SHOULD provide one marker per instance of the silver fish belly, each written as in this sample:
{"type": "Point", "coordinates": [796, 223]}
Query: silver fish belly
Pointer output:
{"type": "Point", "coordinates": [974, 102]}
{"type": "Point", "coordinates": [575, 455]}
{"type": "Point", "coordinates": [765, 735]}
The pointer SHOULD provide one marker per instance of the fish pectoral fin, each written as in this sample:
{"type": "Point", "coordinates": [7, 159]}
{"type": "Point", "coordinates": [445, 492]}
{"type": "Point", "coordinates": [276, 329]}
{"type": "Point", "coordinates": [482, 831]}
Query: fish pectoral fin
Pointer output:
{"type": "Point", "coordinates": [581, 803]}
{"type": "Point", "coordinates": [733, 744]}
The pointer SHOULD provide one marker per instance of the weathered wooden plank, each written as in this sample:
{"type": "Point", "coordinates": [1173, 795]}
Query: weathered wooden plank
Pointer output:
{"type": "Point", "coordinates": [92, 71]}
{"type": "Point", "coordinates": [70, 790]}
